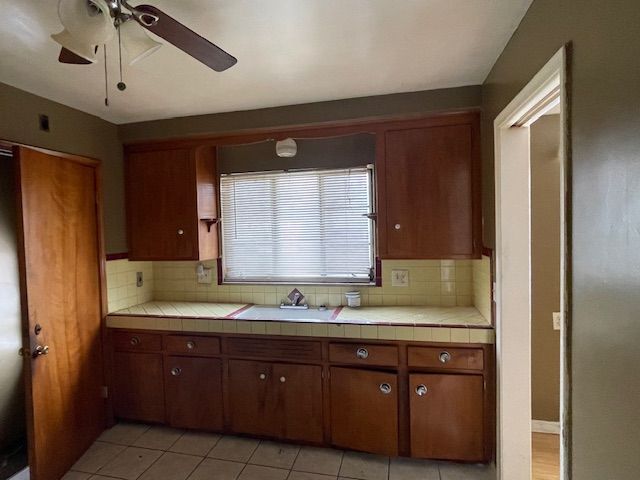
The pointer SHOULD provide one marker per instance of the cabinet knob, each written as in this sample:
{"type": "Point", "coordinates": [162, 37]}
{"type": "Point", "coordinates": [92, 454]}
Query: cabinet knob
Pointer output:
{"type": "Point", "coordinates": [421, 390]}
{"type": "Point", "coordinates": [175, 371]}
{"type": "Point", "coordinates": [180, 231]}
{"type": "Point", "coordinates": [191, 344]}
{"type": "Point", "coordinates": [397, 226]}
{"type": "Point", "coordinates": [262, 376]}
{"type": "Point", "coordinates": [445, 357]}
{"type": "Point", "coordinates": [362, 353]}
{"type": "Point", "coordinates": [134, 341]}
{"type": "Point", "coordinates": [385, 388]}
{"type": "Point", "coordinates": [282, 379]}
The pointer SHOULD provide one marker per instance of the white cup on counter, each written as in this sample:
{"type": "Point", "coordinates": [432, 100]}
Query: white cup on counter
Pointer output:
{"type": "Point", "coordinates": [353, 299]}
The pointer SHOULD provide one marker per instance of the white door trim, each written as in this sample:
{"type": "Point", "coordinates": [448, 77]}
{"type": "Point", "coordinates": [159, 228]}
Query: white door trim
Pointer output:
{"type": "Point", "coordinates": [513, 273]}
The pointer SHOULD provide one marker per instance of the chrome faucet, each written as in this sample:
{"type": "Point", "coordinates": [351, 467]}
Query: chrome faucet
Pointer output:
{"type": "Point", "coordinates": [295, 297]}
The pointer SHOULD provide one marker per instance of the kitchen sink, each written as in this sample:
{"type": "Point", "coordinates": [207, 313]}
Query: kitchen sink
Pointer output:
{"type": "Point", "coordinates": [263, 312]}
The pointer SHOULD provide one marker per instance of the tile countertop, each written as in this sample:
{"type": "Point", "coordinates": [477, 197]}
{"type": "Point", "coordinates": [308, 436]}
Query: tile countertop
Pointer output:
{"type": "Point", "coordinates": [445, 324]}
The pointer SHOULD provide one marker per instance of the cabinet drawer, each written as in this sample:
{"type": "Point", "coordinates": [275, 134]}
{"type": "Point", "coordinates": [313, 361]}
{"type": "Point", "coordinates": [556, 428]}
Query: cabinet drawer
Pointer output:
{"type": "Point", "coordinates": [286, 349]}
{"type": "Point", "coordinates": [445, 357]}
{"type": "Point", "coordinates": [364, 354]}
{"type": "Point", "coordinates": [144, 342]}
{"type": "Point", "coordinates": [192, 344]}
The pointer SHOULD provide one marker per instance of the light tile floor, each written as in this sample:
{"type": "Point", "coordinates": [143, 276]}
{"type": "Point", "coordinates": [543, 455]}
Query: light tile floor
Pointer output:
{"type": "Point", "coordinates": [133, 451]}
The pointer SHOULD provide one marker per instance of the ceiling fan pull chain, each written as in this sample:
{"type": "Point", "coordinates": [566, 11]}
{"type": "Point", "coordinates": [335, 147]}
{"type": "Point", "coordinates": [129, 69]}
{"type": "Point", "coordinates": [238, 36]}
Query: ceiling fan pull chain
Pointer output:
{"type": "Point", "coordinates": [121, 85]}
{"type": "Point", "coordinates": [106, 78]}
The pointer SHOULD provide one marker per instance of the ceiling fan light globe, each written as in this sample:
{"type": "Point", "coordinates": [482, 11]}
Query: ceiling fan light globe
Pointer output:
{"type": "Point", "coordinates": [137, 44]}
{"type": "Point", "coordinates": [71, 43]}
{"type": "Point", "coordinates": [88, 21]}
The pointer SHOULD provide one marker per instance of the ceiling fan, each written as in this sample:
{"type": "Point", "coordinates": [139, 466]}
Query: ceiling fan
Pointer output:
{"type": "Point", "coordinates": [90, 23]}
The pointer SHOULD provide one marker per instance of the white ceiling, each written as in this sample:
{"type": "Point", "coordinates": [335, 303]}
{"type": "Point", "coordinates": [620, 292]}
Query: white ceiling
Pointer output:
{"type": "Point", "coordinates": [289, 52]}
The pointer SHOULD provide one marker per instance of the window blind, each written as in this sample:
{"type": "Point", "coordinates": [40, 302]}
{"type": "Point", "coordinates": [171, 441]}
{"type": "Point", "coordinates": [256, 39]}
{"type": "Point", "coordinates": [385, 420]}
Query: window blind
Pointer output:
{"type": "Point", "coordinates": [297, 226]}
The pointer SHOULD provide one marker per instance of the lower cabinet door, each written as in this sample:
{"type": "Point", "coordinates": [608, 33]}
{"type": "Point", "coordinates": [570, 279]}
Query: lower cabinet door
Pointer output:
{"type": "Point", "coordinates": [447, 416]}
{"type": "Point", "coordinates": [138, 386]}
{"type": "Point", "coordinates": [252, 398]}
{"type": "Point", "coordinates": [298, 402]}
{"type": "Point", "coordinates": [364, 410]}
{"type": "Point", "coordinates": [194, 392]}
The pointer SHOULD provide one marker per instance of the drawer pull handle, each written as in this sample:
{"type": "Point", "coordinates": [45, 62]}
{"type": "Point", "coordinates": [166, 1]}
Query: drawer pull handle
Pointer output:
{"type": "Point", "coordinates": [445, 357]}
{"type": "Point", "coordinates": [421, 390]}
{"type": "Point", "coordinates": [283, 379]}
{"type": "Point", "coordinates": [191, 344]}
{"type": "Point", "coordinates": [175, 371]}
{"type": "Point", "coordinates": [362, 353]}
{"type": "Point", "coordinates": [134, 341]}
{"type": "Point", "coordinates": [262, 376]}
{"type": "Point", "coordinates": [180, 231]}
{"type": "Point", "coordinates": [385, 388]}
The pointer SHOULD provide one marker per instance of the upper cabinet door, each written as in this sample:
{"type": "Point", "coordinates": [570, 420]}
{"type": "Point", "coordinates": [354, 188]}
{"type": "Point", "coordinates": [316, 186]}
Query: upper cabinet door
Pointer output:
{"type": "Point", "coordinates": [171, 204]}
{"type": "Point", "coordinates": [431, 192]}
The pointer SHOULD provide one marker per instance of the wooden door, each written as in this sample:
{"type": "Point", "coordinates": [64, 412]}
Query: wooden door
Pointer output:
{"type": "Point", "coordinates": [161, 205]}
{"type": "Point", "coordinates": [60, 239]}
{"type": "Point", "coordinates": [364, 410]}
{"type": "Point", "coordinates": [138, 386]}
{"type": "Point", "coordinates": [194, 392]}
{"type": "Point", "coordinates": [447, 419]}
{"type": "Point", "coordinates": [299, 402]}
{"type": "Point", "coordinates": [252, 398]}
{"type": "Point", "coordinates": [431, 195]}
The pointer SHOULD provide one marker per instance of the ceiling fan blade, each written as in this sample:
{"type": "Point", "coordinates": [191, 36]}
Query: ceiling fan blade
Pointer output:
{"type": "Point", "coordinates": [67, 56]}
{"type": "Point", "coordinates": [184, 38]}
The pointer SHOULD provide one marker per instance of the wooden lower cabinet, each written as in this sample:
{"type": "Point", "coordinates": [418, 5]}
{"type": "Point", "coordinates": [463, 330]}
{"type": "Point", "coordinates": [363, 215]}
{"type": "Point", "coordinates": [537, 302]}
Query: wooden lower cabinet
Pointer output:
{"type": "Point", "coordinates": [364, 410]}
{"type": "Point", "coordinates": [447, 416]}
{"type": "Point", "coordinates": [276, 400]}
{"type": "Point", "coordinates": [194, 392]}
{"type": "Point", "coordinates": [406, 401]}
{"type": "Point", "coordinates": [138, 386]}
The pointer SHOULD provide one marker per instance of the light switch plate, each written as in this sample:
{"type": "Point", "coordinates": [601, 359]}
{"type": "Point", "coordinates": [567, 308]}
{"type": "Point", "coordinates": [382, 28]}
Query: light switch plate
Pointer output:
{"type": "Point", "coordinates": [556, 320]}
{"type": "Point", "coordinates": [205, 276]}
{"type": "Point", "coordinates": [399, 278]}
{"type": "Point", "coordinates": [139, 279]}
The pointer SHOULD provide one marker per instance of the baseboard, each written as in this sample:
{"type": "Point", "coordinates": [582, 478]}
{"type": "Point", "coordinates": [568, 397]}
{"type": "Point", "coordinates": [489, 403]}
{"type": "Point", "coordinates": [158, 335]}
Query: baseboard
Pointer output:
{"type": "Point", "coordinates": [543, 426]}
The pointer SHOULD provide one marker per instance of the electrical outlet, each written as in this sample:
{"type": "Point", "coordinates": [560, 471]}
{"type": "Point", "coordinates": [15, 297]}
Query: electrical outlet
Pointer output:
{"type": "Point", "coordinates": [204, 276]}
{"type": "Point", "coordinates": [139, 279]}
{"type": "Point", "coordinates": [399, 278]}
{"type": "Point", "coordinates": [556, 320]}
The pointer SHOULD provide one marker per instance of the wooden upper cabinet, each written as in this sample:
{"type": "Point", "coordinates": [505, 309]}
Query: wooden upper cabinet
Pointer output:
{"type": "Point", "coordinates": [429, 190]}
{"type": "Point", "coordinates": [172, 204]}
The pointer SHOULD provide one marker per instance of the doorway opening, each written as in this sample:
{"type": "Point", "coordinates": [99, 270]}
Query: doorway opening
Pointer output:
{"type": "Point", "coordinates": [533, 271]}
{"type": "Point", "coordinates": [13, 423]}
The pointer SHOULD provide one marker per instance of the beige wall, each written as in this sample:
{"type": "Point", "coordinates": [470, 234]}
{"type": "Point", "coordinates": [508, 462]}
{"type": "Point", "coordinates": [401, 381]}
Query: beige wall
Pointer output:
{"type": "Point", "coordinates": [605, 213]}
{"type": "Point", "coordinates": [545, 268]}
{"type": "Point", "coordinates": [73, 132]}
{"type": "Point", "coordinates": [354, 108]}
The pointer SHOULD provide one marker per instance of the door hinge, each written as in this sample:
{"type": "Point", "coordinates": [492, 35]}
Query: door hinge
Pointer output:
{"type": "Point", "coordinates": [104, 391]}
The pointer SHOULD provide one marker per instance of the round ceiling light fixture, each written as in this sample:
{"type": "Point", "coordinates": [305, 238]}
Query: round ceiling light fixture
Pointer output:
{"type": "Point", "coordinates": [286, 148]}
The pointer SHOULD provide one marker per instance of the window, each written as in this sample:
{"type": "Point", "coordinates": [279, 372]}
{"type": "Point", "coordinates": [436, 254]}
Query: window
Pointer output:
{"type": "Point", "coordinates": [308, 226]}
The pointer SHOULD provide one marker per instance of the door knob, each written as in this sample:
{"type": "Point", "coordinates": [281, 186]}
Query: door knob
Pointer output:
{"type": "Point", "coordinates": [180, 231]}
{"type": "Point", "coordinates": [362, 353]}
{"type": "Point", "coordinates": [175, 371]}
{"type": "Point", "coordinates": [40, 350]}
{"type": "Point", "coordinates": [262, 376]}
{"type": "Point", "coordinates": [191, 345]}
{"type": "Point", "coordinates": [282, 379]}
{"type": "Point", "coordinates": [421, 390]}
